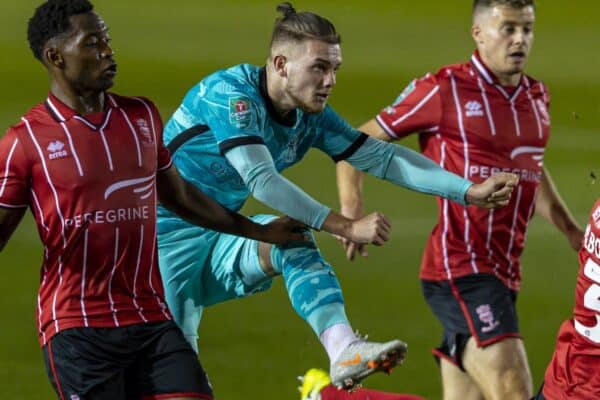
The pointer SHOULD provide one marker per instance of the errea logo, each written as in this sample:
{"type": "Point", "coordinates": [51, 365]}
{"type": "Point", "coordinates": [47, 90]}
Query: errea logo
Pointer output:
{"type": "Point", "coordinates": [473, 109]}
{"type": "Point", "coordinates": [56, 149]}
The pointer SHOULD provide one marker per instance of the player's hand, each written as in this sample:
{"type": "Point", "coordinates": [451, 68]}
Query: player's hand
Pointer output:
{"type": "Point", "coordinates": [374, 228]}
{"type": "Point", "coordinates": [284, 230]}
{"type": "Point", "coordinates": [494, 192]}
{"type": "Point", "coordinates": [352, 248]}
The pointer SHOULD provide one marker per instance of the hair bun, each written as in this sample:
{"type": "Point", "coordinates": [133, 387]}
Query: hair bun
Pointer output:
{"type": "Point", "coordinates": [286, 9]}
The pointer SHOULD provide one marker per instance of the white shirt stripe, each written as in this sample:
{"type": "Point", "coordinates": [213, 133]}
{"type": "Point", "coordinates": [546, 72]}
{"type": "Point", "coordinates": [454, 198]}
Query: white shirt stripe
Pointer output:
{"type": "Point", "coordinates": [83, 274]}
{"type": "Point", "coordinates": [487, 107]}
{"type": "Point", "coordinates": [445, 227]}
{"type": "Point", "coordinates": [68, 133]}
{"type": "Point", "coordinates": [39, 209]}
{"type": "Point", "coordinates": [86, 122]}
{"type": "Point", "coordinates": [418, 106]}
{"type": "Point", "coordinates": [482, 70]}
{"type": "Point", "coordinates": [463, 135]}
{"type": "Point", "coordinates": [516, 118]}
{"type": "Point", "coordinates": [135, 136]}
{"type": "Point", "coordinates": [60, 278]}
{"type": "Point", "coordinates": [39, 297]}
{"type": "Point", "coordinates": [535, 112]}
{"type": "Point", "coordinates": [137, 270]}
{"type": "Point", "coordinates": [49, 180]}
{"type": "Point", "coordinates": [55, 110]}
{"type": "Point", "coordinates": [512, 230]}
{"type": "Point", "coordinates": [7, 166]}
{"type": "Point", "coordinates": [162, 306]}
{"type": "Point", "coordinates": [385, 127]}
{"type": "Point", "coordinates": [488, 242]}
{"type": "Point", "coordinates": [108, 155]}
{"type": "Point", "coordinates": [112, 275]}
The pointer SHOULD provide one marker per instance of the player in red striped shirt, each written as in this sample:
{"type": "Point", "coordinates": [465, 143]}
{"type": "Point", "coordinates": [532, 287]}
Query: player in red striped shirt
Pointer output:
{"type": "Point", "coordinates": [476, 119]}
{"type": "Point", "coordinates": [91, 166]}
{"type": "Point", "coordinates": [573, 371]}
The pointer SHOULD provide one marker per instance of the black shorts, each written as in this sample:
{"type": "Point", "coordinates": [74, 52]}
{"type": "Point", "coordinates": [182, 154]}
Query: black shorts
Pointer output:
{"type": "Point", "coordinates": [135, 362]}
{"type": "Point", "coordinates": [478, 306]}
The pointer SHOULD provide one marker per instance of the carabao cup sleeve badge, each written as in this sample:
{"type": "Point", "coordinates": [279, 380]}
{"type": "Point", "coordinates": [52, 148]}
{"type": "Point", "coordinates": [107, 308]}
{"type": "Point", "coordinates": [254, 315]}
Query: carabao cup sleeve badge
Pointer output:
{"type": "Point", "coordinates": [240, 113]}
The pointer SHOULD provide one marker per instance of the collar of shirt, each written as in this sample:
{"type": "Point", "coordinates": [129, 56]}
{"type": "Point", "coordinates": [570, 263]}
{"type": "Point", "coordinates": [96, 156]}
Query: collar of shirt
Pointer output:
{"type": "Point", "coordinates": [492, 79]}
{"type": "Point", "coordinates": [61, 112]}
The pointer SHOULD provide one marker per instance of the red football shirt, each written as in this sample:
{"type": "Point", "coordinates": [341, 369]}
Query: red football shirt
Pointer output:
{"type": "Point", "coordinates": [573, 371]}
{"type": "Point", "coordinates": [472, 126]}
{"type": "Point", "coordinates": [90, 182]}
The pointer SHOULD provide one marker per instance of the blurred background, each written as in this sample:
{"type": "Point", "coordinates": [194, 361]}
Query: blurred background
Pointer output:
{"type": "Point", "coordinates": [254, 348]}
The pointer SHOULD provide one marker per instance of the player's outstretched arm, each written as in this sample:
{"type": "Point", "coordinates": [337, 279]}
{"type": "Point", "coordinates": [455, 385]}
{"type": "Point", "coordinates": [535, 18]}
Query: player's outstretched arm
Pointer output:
{"type": "Point", "coordinates": [255, 166]}
{"type": "Point", "coordinates": [184, 199]}
{"type": "Point", "coordinates": [550, 206]}
{"type": "Point", "coordinates": [407, 168]}
{"type": "Point", "coordinates": [350, 189]}
{"type": "Point", "coordinates": [9, 220]}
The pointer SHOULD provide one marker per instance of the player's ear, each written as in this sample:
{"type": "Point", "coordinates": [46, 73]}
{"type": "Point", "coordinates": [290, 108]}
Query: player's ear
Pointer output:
{"type": "Point", "coordinates": [279, 64]}
{"type": "Point", "coordinates": [476, 34]}
{"type": "Point", "coordinates": [52, 57]}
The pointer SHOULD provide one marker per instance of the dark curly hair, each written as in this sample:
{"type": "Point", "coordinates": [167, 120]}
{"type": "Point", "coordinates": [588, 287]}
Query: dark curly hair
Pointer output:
{"type": "Point", "coordinates": [299, 26]}
{"type": "Point", "coordinates": [51, 19]}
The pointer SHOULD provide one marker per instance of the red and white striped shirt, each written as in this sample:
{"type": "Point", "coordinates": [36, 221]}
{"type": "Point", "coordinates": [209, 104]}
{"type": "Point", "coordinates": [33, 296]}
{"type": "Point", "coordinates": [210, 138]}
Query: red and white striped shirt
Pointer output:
{"type": "Point", "coordinates": [574, 372]}
{"type": "Point", "coordinates": [474, 127]}
{"type": "Point", "coordinates": [90, 182]}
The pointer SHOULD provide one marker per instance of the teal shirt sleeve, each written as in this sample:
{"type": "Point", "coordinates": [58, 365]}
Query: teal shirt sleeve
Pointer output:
{"type": "Point", "coordinates": [255, 165]}
{"type": "Point", "coordinates": [336, 137]}
{"type": "Point", "coordinates": [407, 168]}
{"type": "Point", "coordinates": [233, 112]}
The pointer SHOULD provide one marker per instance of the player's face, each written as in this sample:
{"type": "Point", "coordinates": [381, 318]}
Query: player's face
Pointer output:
{"type": "Point", "coordinates": [311, 74]}
{"type": "Point", "coordinates": [88, 64]}
{"type": "Point", "coordinates": [504, 36]}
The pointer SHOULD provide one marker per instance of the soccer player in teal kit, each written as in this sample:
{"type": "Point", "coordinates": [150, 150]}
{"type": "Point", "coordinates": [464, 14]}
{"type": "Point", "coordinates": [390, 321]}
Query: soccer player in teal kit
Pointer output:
{"type": "Point", "coordinates": [232, 135]}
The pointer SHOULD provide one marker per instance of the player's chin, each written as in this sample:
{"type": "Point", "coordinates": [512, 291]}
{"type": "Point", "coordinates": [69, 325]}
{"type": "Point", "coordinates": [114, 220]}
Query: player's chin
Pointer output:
{"type": "Point", "coordinates": [314, 107]}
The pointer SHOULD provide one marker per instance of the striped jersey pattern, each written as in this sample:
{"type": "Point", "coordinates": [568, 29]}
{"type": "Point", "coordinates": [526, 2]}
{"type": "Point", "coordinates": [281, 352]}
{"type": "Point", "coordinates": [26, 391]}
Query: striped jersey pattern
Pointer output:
{"type": "Point", "coordinates": [90, 182]}
{"type": "Point", "coordinates": [472, 126]}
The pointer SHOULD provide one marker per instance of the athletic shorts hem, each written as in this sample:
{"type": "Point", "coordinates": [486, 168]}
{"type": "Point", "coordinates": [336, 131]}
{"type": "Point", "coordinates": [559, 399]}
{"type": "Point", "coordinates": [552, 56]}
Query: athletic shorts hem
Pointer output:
{"type": "Point", "coordinates": [173, 395]}
{"type": "Point", "coordinates": [441, 355]}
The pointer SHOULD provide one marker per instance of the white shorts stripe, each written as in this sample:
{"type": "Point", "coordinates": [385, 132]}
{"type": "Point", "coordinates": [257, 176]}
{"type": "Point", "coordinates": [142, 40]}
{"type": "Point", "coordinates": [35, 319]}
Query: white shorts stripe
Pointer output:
{"type": "Point", "coordinates": [112, 276]}
{"type": "Point", "coordinates": [7, 166]}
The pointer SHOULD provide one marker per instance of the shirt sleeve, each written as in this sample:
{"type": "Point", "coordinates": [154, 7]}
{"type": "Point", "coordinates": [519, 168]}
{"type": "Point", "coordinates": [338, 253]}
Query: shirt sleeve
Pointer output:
{"type": "Point", "coordinates": [417, 109]}
{"type": "Point", "coordinates": [15, 172]}
{"type": "Point", "coordinates": [255, 165]}
{"type": "Point", "coordinates": [336, 137]}
{"type": "Point", "coordinates": [233, 115]}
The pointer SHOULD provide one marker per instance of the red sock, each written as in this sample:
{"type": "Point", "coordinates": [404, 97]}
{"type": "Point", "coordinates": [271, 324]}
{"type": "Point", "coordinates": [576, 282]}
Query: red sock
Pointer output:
{"type": "Point", "coordinates": [330, 392]}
